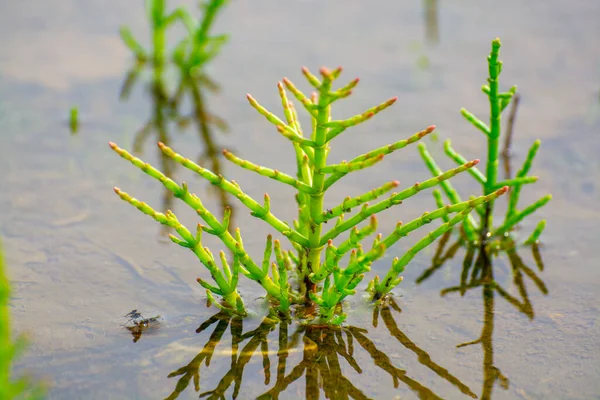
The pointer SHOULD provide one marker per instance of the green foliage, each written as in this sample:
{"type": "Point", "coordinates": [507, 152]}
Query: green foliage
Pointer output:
{"type": "Point", "coordinates": [22, 387]}
{"type": "Point", "coordinates": [489, 181]}
{"type": "Point", "coordinates": [321, 277]}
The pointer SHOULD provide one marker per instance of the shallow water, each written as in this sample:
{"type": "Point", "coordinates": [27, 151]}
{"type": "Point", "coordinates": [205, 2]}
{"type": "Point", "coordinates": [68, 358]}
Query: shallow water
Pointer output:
{"type": "Point", "coordinates": [80, 258]}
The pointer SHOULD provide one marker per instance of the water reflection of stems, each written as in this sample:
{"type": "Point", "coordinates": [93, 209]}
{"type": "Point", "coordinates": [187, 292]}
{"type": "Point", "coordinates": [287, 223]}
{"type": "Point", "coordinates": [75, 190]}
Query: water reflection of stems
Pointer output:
{"type": "Point", "coordinates": [432, 34]}
{"type": "Point", "coordinates": [323, 352]}
{"type": "Point", "coordinates": [257, 338]}
{"type": "Point", "coordinates": [478, 272]}
{"type": "Point", "coordinates": [423, 357]}
{"type": "Point", "coordinates": [192, 370]}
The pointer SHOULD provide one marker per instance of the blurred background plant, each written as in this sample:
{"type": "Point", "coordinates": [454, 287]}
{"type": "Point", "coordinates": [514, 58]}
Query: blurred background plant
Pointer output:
{"type": "Point", "coordinates": [23, 387]}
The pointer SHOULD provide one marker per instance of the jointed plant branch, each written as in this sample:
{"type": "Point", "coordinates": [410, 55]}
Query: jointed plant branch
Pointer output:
{"type": "Point", "coordinates": [322, 280]}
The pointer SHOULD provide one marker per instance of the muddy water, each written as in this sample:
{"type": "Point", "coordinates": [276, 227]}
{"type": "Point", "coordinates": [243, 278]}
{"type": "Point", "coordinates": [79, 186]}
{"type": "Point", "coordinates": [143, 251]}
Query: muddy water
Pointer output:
{"type": "Point", "coordinates": [80, 258]}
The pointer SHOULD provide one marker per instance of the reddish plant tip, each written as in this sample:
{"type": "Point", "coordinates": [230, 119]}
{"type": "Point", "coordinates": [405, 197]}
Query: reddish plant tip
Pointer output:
{"type": "Point", "coordinates": [503, 190]}
{"type": "Point", "coordinates": [112, 145]}
{"type": "Point", "coordinates": [475, 161]}
{"type": "Point", "coordinates": [395, 183]}
{"type": "Point", "coordinates": [280, 85]}
{"type": "Point", "coordinates": [393, 99]}
{"type": "Point", "coordinates": [225, 152]}
{"type": "Point", "coordinates": [117, 190]}
{"type": "Point", "coordinates": [330, 242]}
{"type": "Point", "coordinates": [430, 128]}
{"type": "Point", "coordinates": [324, 71]}
{"type": "Point", "coordinates": [161, 145]}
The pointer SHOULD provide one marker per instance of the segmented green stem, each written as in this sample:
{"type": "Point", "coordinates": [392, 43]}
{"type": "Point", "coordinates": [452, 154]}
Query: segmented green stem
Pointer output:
{"type": "Point", "coordinates": [391, 279]}
{"type": "Point", "coordinates": [517, 217]}
{"type": "Point", "coordinates": [494, 68]}
{"type": "Point", "coordinates": [513, 199]}
{"type": "Point", "coordinates": [535, 235]}
{"type": "Point", "coordinates": [216, 227]}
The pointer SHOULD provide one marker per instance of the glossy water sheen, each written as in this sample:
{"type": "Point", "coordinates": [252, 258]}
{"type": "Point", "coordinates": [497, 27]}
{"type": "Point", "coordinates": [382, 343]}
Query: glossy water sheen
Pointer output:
{"type": "Point", "coordinates": [80, 258]}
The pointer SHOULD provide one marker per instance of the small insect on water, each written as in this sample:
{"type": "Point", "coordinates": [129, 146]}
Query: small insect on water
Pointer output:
{"type": "Point", "coordinates": [137, 324]}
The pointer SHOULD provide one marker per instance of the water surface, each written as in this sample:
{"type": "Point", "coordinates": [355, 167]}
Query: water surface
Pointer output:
{"type": "Point", "coordinates": [80, 258]}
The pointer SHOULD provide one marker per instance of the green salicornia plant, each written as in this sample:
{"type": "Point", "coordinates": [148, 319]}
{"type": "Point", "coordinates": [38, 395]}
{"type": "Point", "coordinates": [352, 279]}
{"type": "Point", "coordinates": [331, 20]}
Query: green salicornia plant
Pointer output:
{"type": "Point", "coordinates": [489, 181]}
{"type": "Point", "coordinates": [312, 257]}
{"type": "Point", "coordinates": [11, 389]}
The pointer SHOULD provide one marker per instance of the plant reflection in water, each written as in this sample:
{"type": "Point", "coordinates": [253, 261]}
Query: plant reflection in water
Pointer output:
{"type": "Point", "coordinates": [326, 354]}
{"type": "Point", "coordinates": [478, 273]}
{"type": "Point", "coordinates": [430, 12]}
